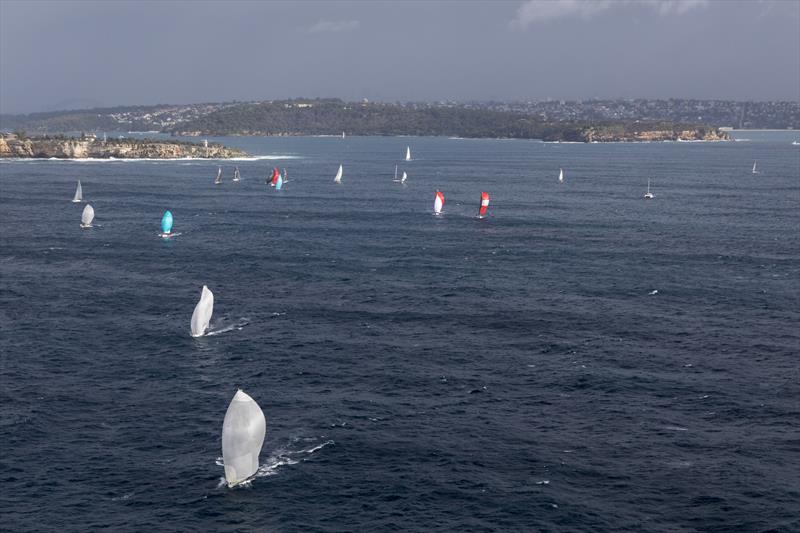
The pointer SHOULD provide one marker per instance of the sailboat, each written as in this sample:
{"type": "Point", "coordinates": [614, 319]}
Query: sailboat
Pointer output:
{"type": "Point", "coordinates": [87, 216]}
{"type": "Point", "coordinates": [236, 175]}
{"type": "Point", "coordinates": [403, 178]}
{"type": "Point", "coordinates": [408, 153]}
{"type": "Point", "coordinates": [78, 193]}
{"type": "Point", "coordinates": [484, 205]}
{"type": "Point", "coordinates": [438, 203]}
{"type": "Point", "coordinates": [202, 313]}
{"type": "Point", "coordinates": [275, 175]}
{"type": "Point", "coordinates": [218, 179]}
{"type": "Point", "coordinates": [342, 135]}
{"type": "Point", "coordinates": [166, 225]}
{"type": "Point", "coordinates": [754, 167]}
{"type": "Point", "coordinates": [243, 431]}
{"type": "Point", "coordinates": [561, 175]}
{"type": "Point", "coordinates": [338, 178]}
{"type": "Point", "coordinates": [648, 195]}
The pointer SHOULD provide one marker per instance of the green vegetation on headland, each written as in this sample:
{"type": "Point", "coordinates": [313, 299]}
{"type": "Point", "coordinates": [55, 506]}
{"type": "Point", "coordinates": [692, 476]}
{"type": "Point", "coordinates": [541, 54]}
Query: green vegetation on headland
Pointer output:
{"type": "Point", "coordinates": [332, 117]}
{"type": "Point", "coordinates": [88, 146]}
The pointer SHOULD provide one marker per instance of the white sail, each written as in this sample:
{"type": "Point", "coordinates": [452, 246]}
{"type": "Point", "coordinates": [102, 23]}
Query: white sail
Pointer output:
{"type": "Point", "coordinates": [243, 432]}
{"type": "Point", "coordinates": [78, 193]}
{"type": "Point", "coordinates": [202, 313]}
{"type": "Point", "coordinates": [561, 175]}
{"type": "Point", "coordinates": [218, 179]}
{"type": "Point", "coordinates": [408, 153]}
{"type": "Point", "coordinates": [87, 216]}
{"type": "Point", "coordinates": [404, 178]}
{"type": "Point", "coordinates": [438, 203]}
{"type": "Point", "coordinates": [648, 195]}
{"type": "Point", "coordinates": [754, 167]}
{"type": "Point", "coordinates": [338, 178]}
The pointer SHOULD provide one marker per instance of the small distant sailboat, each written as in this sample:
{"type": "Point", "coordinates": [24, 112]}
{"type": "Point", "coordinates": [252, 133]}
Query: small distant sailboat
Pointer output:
{"type": "Point", "coordinates": [408, 153]}
{"type": "Point", "coordinates": [484, 206]}
{"type": "Point", "coordinates": [202, 313]}
{"type": "Point", "coordinates": [338, 178]}
{"type": "Point", "coordinates": [795, 143]}
{"type": "Point", "coordinates": [402, 179]}
{"type": "Point", "coordinates": [648, 195]}
{"type": "Point", "coordinates": [754, 167]}
{"type": "Point", "coordinates": [342, 135]}
{"type": "Point", "coordinates": [275, 175]}
{"type": "Point", "coordinates": [166, 225]}
{"type": "Point", "coordinates": [78, 194]}
{"type": "Point", "coordinates": [561, 175]}
{"type": "Point", "coordinates": [236, 175]}
{"type": "Point", "coordinates": [218, 179]}
{"type": "Point", "coordinates": [87, 216]}
{"type": "Point", "coordinates": [438, 203]}
{"type": "Point", "coordinates": [243, 432]}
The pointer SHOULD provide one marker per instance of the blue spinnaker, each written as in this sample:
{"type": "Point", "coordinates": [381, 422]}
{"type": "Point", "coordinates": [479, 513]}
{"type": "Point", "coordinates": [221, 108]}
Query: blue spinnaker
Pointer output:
{"type": "Point", "coordinates": [279, 183]}
{"type": "Point", "coordinates": [166, 222]}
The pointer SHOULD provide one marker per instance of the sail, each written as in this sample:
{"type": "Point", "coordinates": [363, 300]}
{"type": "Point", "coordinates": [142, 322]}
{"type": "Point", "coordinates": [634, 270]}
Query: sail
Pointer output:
{"type": "Point", "coordinates": [218, 179]}
{"type": "Point", "coordinates": [484, 204]}
{"type": "Point", "coordinates": [561, 175]}
{"type": "Point", "coordinates": [438, 203]}
{"type": "Point", "coordinates": [243, 432]}
{"type": "Point", "coordinates": [754, 167]}
{"type": "Point", "coordinates": [202, 313]}
{"type": "Point", "coordinates": [78, 193]}
{"type": "Point", "coordinates": [408, 153]}
{"type": "Point", "coordinates": [166, 222]}
{"type": "Point", "coordinates": [279, 183]}
{"type": "Point", "coordinates": [338, 178]}
{"type": "Point", "coordinates": [236, 175]}
{"type": "Point", "coordinates": [404, 178]}
{"type": "Point", "coordinates": [87, 216]}
{"type": "Point", "coordinates": [275, 175]}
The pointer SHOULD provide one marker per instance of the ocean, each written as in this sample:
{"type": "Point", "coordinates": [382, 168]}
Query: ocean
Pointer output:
{"type": "Point", "coordinates": [580, 360]}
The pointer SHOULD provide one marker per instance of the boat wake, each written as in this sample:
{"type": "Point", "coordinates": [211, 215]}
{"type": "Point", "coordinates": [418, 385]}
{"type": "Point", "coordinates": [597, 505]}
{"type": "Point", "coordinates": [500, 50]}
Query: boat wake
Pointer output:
{"type": "Point", "coordinates": [297, 450]}
{"type": "Point", "coordinates": [221, 327]}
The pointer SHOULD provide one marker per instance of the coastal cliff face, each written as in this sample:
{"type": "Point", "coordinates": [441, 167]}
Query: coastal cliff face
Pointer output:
{"type": "Point", "coordinates": [616, 134]}
{"type": "Point", "coordinates": [80, 148]}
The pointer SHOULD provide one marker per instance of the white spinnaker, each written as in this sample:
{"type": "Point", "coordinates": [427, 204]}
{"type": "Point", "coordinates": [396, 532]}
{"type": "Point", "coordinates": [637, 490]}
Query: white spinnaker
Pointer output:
{"type": "Point", "coordinates": [202, 313]}
{"type": "Point", "coordinates": [243, 433]}
{"type": "Point", "coordinates": [78, 193]}
{"type": "Point", "coordinates": [338, 178]}
{"type": "Point", "coordinates": [408, 153]}
{"type": "Point", "coordinates": [87, 216]}
{"type": "Point", "coordinates": [438, 203]}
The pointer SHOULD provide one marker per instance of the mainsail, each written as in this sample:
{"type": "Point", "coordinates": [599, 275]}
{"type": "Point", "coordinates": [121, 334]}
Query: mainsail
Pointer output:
{"type": "Point", "coordinates": [404, 178]}
{"type": "Point", "coordinates": [338, 178]}
{"type": "Point", "coordinates": [166, 224]}
{"type": "Point", "coordinates": [561, 175]}
{"type": "Point", "coordinates": [438, 203]}
{"type": "Point", "coordinates": [87, 216]}
{"type": "Point", "coordinates": [484, 204]}
{"type": "Point", "coordinates": [408, 153]}
{"type": "Point", "coordinates": [78, 193]}
{"type": "Point", "coordinates": [218, 179]}
{"type": "Point", "coordinates": [236, 175]}
{"type": "Point", "coordinates": [202, 313]}
{"type": "Point", "coordinates": [754, 167]}
{"type": "Point", "coordinates": [243, 432]}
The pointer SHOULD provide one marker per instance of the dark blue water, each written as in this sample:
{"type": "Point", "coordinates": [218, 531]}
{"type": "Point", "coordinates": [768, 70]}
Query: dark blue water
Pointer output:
{"type": "Point", "coordinates": [416, 372]}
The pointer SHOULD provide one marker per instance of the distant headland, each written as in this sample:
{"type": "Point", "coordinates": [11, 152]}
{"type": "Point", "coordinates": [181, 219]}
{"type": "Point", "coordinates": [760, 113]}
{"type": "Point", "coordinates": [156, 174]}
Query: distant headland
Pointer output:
{"type": "Point", "coordinates": [565, 121]}
{"type": "Point", "coordinates": [88, 146]}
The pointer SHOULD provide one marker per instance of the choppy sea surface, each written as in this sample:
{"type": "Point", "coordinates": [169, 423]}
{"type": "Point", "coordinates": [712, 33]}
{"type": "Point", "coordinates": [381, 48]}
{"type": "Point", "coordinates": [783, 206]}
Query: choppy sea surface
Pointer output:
{"type": "Point", "coordinates": [580, 360]}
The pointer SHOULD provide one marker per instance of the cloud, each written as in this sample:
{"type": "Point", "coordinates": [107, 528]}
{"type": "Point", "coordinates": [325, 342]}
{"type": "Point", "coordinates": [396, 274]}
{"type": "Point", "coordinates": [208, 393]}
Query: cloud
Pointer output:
{"type": "Point", "coordinates": [534, 11]}
{"type": "Point", "coordinates": [334, 25]}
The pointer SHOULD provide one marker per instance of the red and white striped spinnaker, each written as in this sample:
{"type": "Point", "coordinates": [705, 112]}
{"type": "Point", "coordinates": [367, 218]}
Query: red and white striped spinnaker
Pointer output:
{"type": "Point", "coordinates": [438, 203]}
{"type": "Point", "coordinates": [484, 204]}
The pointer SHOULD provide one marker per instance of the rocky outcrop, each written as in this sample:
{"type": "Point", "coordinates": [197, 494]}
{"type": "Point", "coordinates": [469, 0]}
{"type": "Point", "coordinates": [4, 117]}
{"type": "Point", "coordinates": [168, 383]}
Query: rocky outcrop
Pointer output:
{"type": "Point", "coordinates": [618, 133]}
{"type": "Point", "coordinates": [90, 147]}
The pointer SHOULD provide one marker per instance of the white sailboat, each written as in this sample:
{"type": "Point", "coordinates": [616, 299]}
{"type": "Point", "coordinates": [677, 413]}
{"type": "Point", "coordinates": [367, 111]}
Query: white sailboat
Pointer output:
{"type": "Point", "coordinates": [202, 313]}
{"type": "Point", "coordinates": [408, 153]}
{"type": "Point", "coordinates": [338, 178]}
{"type": "Point", "coordinates": [87, 216]}
{"type": "Point", "coordinates": [236, 175]}
{"type": "Point", "coordinates": [754, 167]}
{"type": "Point", "coordinates": [438, 203]}
{"type": "Point", "coordinates": [343, 135]}
{"type": "Point", "coordinates": [648, 195]}
{"type": "Point", "coordinates": [403, 178]}
{"type": "Point", "coordinates": [218, 179]}
{"type": "Point", "coordinates": [78, 193]}
{"type": "Point", "coordinates": [243, 431]}
{"type": "Point", "coordinates": [561, 175]}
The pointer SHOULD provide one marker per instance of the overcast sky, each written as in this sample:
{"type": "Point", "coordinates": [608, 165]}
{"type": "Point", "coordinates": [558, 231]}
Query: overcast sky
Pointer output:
{"type": "Point", "coordinates": [66, 54]}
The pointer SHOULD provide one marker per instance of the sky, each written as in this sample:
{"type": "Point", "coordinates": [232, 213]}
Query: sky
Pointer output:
{"type": "Point", "coordinates": [73, 54]}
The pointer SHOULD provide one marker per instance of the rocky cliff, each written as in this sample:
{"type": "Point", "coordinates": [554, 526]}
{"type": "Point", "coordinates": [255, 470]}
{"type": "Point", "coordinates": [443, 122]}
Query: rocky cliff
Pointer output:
{"type": "Point", "coordinates": [89, 147]}
{"type": "Point", "coordinates": [618, 133]}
